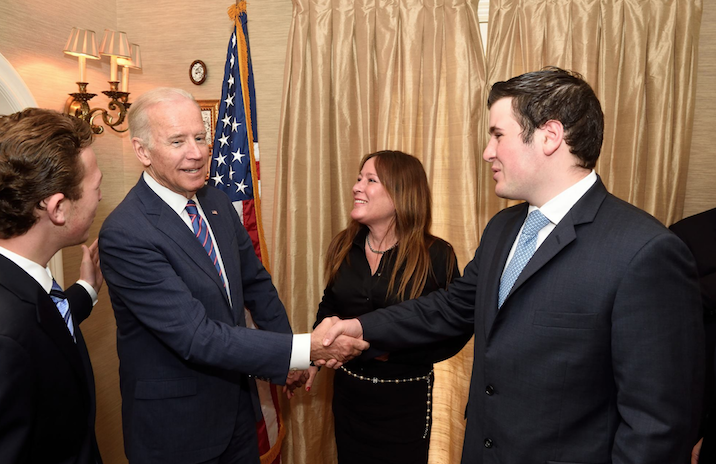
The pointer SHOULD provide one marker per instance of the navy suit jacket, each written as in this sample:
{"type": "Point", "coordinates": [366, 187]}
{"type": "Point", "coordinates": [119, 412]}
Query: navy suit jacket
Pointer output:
{"type": "Point", "coordinates": [596, 356]}
{"type": "Point", "coordinates": [184, 350]}
{"type": "Point", "coordinates": [47, 397]}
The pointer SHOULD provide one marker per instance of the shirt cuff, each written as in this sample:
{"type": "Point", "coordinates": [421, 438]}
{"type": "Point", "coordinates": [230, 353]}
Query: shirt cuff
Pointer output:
{"type": "Point", "coordinates": [301, 352]}
{"type": "Point", "coordinates": [92, 293]}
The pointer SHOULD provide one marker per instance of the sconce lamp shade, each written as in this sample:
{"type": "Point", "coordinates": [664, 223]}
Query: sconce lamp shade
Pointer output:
{"type": "Point", "coordinates": [82, 42]}
{"type": "Point", "coordinates": [115, 44]}
{"type": "Point", "coordinates": [136, 58]}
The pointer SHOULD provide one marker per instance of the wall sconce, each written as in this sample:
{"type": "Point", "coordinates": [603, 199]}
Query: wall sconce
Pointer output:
{"type": "Point", "coordinates": [82, 43]}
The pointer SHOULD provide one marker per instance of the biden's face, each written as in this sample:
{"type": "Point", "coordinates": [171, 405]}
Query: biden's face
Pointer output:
{"type": "Point", "coordinates": [179, 152]}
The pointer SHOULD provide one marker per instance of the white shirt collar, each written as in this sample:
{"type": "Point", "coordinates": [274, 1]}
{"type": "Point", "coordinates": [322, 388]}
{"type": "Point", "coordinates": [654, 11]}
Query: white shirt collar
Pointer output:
{"type": "Point", "coordinates": [175, 201]}
{"type": "Point", "coordinates": [41, 274]}
{"type": "Point", "coordinates": [558, 207]}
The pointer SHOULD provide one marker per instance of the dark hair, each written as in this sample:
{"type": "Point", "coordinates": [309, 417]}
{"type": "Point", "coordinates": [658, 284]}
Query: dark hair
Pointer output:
{"type": "Point", "coordinates": [39, 156]}
{"type": "Point", "coordinates": [556, 94]}
{"type": "Point", "coordinates": [405, 181]}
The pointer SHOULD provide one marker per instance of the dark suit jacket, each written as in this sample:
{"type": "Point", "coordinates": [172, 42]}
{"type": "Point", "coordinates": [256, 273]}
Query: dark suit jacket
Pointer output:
{"type": "Point", "coordinates": [596, 354]}
{"type": "Point", "coordinates": [699, 234]}
{"type": "Point", "coordinates": [47, 398]}
{"type": "Point", "coordinates": [184, 351]}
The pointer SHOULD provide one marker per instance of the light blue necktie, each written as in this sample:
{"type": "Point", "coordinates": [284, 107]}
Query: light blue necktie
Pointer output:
{"type": "Point", "coordinates": [526, 246]}
{"type": "Point", "coordinates": [63, 306]}
{"type": "Point", "coordinates": [202, 234]}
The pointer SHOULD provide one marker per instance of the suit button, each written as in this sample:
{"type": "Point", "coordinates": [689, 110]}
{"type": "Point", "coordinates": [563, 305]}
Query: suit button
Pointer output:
{"type": "Point", "coordinates": [489, 390]}
{"type": "Point", "coordinates": [488, 443]}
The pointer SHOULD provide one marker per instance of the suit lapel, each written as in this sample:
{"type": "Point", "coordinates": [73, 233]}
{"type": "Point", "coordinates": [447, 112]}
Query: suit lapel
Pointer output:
{"type": "Point", "coordinates": [221, 222]}
{"type": "Point", "coordinates": [497, 263]}
{"type": "Point", "coordinates": [17, 281]}
{"type": "Point", "coordinates": [171, 225]}
{"type": "Point", "coordinates": [584, 211]}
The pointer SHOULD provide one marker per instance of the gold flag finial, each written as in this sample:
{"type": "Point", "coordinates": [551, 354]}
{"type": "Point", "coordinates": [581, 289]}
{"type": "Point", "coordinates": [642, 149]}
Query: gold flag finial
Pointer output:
{"type": "Point", "coordinates": [237, 9]}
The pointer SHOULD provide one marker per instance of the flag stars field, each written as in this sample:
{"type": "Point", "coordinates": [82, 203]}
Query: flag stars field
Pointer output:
{"type": "Point", "coordinates": [236, 139]}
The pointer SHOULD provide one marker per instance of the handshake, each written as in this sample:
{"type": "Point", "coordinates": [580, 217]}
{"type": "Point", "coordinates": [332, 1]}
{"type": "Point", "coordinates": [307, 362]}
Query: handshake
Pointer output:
{"type": "Point", "coordinates": [333, 342]}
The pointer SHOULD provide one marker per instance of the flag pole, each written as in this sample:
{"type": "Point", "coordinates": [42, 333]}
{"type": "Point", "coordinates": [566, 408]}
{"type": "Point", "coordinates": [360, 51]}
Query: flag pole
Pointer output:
{"type": "Point", "coordinates": [235, 12]}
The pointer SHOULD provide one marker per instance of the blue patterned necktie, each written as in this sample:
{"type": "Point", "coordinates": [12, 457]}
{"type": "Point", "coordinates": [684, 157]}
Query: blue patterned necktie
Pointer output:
{"type": "Point", "coordinates": [526, 246]}
{"type": "Point", "coordinates": [63, 306]}
{"type": "Point", "coordinates": [202, 234]}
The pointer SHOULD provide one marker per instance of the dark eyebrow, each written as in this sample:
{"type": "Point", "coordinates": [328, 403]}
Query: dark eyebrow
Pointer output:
{"type": "Point", "coordinates": [492, 130]}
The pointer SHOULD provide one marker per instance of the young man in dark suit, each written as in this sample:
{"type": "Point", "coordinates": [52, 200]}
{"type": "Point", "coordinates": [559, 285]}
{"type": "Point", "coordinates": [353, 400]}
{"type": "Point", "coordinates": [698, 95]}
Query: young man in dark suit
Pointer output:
{"type": "Point", "coordinates": [585, 309]}
{"type": "Point", "coordinates": [180, 268]}
{"type": "Point", "coordinates": [49, 192]}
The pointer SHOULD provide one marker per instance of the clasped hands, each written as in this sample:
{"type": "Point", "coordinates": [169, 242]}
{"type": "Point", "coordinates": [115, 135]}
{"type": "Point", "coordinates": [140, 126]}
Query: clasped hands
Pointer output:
{"type": "Point", "coordinates": [333, 342]}
{"type": "Point", "coordinates": [336, 341]}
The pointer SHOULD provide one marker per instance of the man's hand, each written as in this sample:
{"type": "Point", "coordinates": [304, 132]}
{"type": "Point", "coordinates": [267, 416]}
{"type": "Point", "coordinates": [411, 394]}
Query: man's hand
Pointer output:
{"type": "Point", "coordinates": [332, 347]}
{"type": "Point", "coordinates": [89, 267]}
{"type": "Point", "coordinates": [294, 380]}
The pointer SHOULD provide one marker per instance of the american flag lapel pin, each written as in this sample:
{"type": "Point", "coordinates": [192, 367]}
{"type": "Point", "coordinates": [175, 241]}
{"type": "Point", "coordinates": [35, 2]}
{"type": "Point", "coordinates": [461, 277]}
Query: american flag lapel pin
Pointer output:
{"type": "Point", "coordinates": [213, 211]}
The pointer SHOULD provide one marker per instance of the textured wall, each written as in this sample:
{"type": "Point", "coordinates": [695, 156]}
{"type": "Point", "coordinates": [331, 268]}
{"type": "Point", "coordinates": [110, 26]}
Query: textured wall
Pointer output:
{"type": "Point", "coordinates": [701, 183]}
{"type": "Point", "coordinates": [172, 34]}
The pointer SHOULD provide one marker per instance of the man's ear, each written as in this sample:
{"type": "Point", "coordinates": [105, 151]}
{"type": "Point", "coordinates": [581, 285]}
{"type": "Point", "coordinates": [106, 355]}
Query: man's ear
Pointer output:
{"type": "Point", "coordinates": [142, 152]}
{"type": "Point", "coordinates": [552, 136]}
{"type": "Point", "coordinates": [56, 207]}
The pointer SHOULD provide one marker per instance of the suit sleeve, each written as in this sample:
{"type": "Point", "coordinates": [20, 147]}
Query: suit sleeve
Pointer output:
{"type": "Point", "coordinates": [260, 295]}
{"type": "Point", "coordinates": [80, 302]}
{"type": "Point", "coordinates": [657, 354]}
{"type": "Point", "coordinates": [15, 401]}
{"type": "Point", "coordinates": [440, 351]}
{"type": "Point", "coordinates": [436, 317]}
{"type": "Point", "coordinates": [142, 280]}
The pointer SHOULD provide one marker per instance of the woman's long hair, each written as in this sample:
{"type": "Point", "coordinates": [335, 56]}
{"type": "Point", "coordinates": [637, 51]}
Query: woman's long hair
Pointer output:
{"type": "Point", "coordinates": [405, 181]}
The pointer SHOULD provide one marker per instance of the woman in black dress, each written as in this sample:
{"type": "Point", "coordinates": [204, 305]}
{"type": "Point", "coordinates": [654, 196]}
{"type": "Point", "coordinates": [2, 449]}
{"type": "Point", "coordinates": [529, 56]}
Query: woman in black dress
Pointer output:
{"type": "Point", "coordinates": [382, 401]}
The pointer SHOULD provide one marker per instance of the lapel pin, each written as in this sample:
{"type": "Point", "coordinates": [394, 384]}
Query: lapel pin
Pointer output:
{"type": "Point", "coordinates": [213, 211]}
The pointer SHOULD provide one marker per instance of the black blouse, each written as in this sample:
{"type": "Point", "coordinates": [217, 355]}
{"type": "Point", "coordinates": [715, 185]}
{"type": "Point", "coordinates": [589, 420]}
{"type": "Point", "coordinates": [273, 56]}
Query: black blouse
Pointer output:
{"type": "Point", "coordinates": [355, 292]}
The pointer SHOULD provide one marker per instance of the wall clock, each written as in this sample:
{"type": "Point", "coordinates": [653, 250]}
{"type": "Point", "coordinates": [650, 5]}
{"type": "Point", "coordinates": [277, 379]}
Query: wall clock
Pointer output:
{"type": "Point", "coordinates": [197, 72]}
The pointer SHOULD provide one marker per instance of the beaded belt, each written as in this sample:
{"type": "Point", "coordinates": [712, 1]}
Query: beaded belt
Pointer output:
{"type": "Point", "coordinates": [426, 377]}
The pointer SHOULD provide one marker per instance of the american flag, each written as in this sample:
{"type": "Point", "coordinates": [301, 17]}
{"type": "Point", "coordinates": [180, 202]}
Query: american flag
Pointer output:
{"type": "Point", "coordinates": [235, 170]}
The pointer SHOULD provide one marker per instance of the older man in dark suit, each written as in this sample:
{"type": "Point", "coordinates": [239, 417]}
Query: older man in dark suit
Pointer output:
{"type": "Point", "coordinates": [49, 192]}
{"type": "Point", "coordinates": [180, 268]}
{"type": "Point", "coordinates": [585, 309]}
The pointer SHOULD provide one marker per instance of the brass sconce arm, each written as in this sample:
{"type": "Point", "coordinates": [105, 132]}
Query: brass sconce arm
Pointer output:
{"type": "Point", "coordinates": [78, 106]}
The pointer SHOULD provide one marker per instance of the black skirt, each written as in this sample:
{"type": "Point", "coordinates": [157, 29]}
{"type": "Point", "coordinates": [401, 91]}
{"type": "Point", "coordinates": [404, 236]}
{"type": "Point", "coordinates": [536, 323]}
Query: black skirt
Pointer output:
{"type": "Point", "coordinates": [381, 422]}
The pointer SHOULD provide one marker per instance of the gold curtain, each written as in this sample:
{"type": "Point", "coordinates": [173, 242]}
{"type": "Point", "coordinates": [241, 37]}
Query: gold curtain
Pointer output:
{"type": "Point", "coordinates": [640, 56]}
{"type": "Point", "coordinates": [360, 76]}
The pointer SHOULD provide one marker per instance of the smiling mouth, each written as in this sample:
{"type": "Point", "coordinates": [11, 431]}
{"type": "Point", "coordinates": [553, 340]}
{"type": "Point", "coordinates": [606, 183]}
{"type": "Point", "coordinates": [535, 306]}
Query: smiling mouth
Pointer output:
{"type": "Point", "coordinates": [360, 202]}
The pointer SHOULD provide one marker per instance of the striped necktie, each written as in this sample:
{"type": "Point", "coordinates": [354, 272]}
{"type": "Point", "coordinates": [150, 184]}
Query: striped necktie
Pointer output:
{"type": "Point", "coordinates": [202, 234]}
{"type": "Point", "coordinates": [63, 306]}
{"type": "Point", "coordinates": [526, 247]}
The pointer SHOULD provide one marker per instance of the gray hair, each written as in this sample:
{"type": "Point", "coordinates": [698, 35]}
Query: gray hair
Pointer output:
{"type": "Point", "coordinates": [139, 124]}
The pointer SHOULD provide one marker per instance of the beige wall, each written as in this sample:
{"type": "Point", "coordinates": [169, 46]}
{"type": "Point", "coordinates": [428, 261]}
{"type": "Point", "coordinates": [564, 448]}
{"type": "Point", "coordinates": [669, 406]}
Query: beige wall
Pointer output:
{"type": "Point", "coordinates": [701, 183]}
{"type": "Point", "coordinates": [172, 34]}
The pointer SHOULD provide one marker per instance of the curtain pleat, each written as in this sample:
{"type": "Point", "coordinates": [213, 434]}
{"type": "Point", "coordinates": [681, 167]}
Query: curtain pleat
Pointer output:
{"type": "Point", "coordinates": [640, 57]}
{"type": "Point", "coordinates": [365, 75]}
{"type": "Point", "coordinates": [361, 76]}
